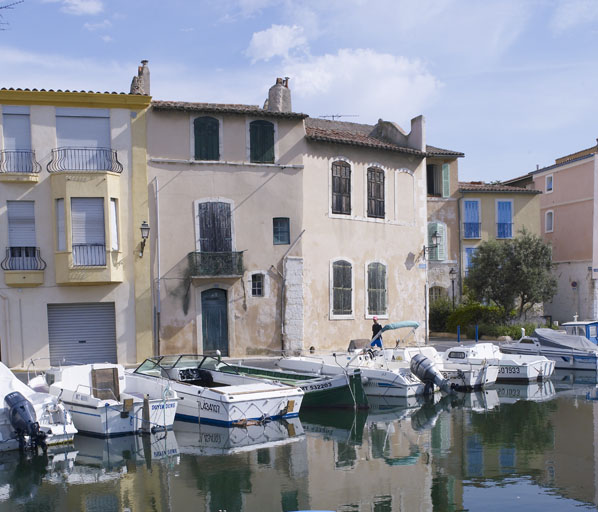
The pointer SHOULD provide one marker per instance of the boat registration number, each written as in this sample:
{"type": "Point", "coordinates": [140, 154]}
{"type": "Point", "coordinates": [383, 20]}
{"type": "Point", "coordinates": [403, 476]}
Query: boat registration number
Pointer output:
{"type": "Point", "coordinates": [315, 387]}
{"type": "Point", "coordinates": [509, 369]}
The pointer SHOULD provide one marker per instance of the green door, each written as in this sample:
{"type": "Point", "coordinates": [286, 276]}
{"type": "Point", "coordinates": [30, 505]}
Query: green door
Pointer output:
{"type": "Point", "coordinates": [214, 321]}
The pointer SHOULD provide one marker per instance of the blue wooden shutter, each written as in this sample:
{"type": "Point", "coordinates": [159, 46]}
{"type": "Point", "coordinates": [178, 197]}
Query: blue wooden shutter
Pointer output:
{"type": "Point", "coordinates": [505, 219]}
{"type": "Point", "coordinates": [446, 177]}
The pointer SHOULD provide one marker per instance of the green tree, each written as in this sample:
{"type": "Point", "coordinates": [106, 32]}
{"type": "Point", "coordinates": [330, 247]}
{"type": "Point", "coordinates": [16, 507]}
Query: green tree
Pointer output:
{"type": "Point", "coordinates": [508, 272]}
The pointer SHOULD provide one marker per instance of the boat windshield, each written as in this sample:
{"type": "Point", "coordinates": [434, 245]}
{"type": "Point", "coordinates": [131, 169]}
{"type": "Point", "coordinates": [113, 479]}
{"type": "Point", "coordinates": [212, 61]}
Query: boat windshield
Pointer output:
{"type": "Point", "coordinates": [575, 330]}
{"type": "Point", "coordinates": [213, 363]}
{"type": "Point", "coordinates": [188, 361]}
{"type": "Point", "coordinates": [152, 368]}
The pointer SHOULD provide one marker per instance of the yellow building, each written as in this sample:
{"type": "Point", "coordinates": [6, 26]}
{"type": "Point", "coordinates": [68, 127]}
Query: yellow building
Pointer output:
{"type": "Point", "coordinates": [73, 196]}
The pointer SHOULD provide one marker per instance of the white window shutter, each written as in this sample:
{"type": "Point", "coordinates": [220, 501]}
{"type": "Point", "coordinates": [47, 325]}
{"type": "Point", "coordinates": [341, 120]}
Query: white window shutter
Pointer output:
{"type": "Point", "coordinates": [21, 223]}
{"type": "Point", "coordinates": [446, 176]}
{"type": "Point", "coordinates": [87, 217]}
{"type": "Point", "coordinates": [441, 252]}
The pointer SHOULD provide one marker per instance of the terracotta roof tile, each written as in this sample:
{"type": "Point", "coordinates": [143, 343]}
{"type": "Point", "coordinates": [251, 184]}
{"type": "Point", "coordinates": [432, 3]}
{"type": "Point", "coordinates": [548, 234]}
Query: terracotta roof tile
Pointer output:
{"type": "Point", "coordinates": [478, 186]}
{"type": "Point", "coordinates": [224, 108]}
{"type": "Point", "coordinates": [66, 90]}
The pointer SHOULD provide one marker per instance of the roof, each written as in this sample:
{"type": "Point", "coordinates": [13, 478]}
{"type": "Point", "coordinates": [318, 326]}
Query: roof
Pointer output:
{"type": "Point", "coordinates": [479, 186]}
{"type": "Point", "coordinates": [67, 90]}
{"type": "Point", "coordinates": [357, 134]}
{"type": "Point", "coordinates": [222, 108]}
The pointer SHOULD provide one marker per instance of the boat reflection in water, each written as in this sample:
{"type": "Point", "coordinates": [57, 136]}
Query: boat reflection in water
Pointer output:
{"type": "Point", "coordinates": [539, 391]}
{"type": "Point", "coordinates": [205, 439]}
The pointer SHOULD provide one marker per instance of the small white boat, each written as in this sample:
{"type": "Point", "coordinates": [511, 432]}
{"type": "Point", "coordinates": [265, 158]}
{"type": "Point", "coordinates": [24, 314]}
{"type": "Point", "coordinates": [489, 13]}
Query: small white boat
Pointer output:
{"type": "Point", "coordinates": [209, 395]}
{"type": "Point", "coordinates": [511, 367]}
{"type": "Point", "coordinates": [569, 352]}
{"type": "Point", "coordinates": [378, 378]}
{"type": "Point", "coordinates": [30, 419]}
{"type": "Point", "coordinates": [106, 401]}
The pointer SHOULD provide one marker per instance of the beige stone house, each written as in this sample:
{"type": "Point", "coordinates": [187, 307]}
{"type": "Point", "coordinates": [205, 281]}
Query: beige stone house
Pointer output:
{"type": "Point", "coordinates": [273, 231]}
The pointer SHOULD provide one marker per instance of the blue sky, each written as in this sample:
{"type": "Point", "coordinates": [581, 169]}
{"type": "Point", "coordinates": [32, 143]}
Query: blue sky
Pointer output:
{"type": "Point", "coordinates": [510, 83]}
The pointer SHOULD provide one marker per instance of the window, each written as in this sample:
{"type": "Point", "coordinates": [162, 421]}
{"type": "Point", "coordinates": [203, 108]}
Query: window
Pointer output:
{"type": "Point", "coordinates": [21, 235]}
{"type": "Point", "coordinates": [114, 245]}
{"type": "Point", "coordinates": [437, 253]}
{"type": "Point", "coordinates": [281, 230]}
{"type": "Point", "coordinates": [549, 183]}
{"type": "Point", "coordinates": [376, 289]}
{"type": "Point", "coordinates": [438, 179]}
{"type": "Point", "coordinates": [341, 188]}
{"type": "Point", "coordinates": [206, 131]}
{"type": "Point", "coordinates": [342, 288]}
{"type": "Point", "coordinates": [215, 228]}
{"type": "Point", "coordinates": [60, 231]}
{"type": "Point", "coordinates": [469, 253]}
{"type": "Point", "coordinates": [437, 292]}
{"type": "Point", "coordinates": [17, 139]}
{"type": "Point", "coordinates": [472, 225]}
{"type": "Point", "coordinates": [549, 221]}
{"type": "Point", "coordinates": [257, 285]}
{"type": "Point", "coordinates": [504, 219]}
{"type": "Point", "coordinates": [261, 142]}
{"type": "Point", "coordinates": [88, 232]}
{"type": "Point", "coordinates": [375, 193]}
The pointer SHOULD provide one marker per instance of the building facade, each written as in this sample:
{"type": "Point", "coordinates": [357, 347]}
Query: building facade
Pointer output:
{"type": "Point", "coordinates": [73, 194]}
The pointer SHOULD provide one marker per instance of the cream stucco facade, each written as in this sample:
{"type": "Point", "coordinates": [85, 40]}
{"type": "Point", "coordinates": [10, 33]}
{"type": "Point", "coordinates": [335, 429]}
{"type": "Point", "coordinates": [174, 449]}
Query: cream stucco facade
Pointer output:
{"type": "Point", "coordinates": [31, 287]}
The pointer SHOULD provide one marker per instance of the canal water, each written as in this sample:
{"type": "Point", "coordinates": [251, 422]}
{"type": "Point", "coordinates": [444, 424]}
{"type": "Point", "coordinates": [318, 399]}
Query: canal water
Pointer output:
{"type": "Point", "coordinates": [511, 447]}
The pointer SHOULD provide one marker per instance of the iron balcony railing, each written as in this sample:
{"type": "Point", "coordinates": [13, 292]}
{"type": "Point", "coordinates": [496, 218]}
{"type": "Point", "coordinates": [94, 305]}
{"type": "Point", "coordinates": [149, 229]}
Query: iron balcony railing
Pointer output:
{"type": "Point", "coordinates": [84, 159]}
{"type": "Point", "coordinates": [89, 255]}
{"type": "Point", "coordinates": [19, 161]}
{"type": "Point", "coordinates": [208, 264]}
{"type": "Point", "coordinates": [23, 258]}
{"type": "Point", "coordinates": [472, 229]}
{"type": "Point", "coordinates": [504, 230]}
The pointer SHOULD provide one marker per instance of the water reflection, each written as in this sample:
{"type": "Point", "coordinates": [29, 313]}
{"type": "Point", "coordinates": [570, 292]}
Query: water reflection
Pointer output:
{"type": "Point", "coordinates": [527, 446]}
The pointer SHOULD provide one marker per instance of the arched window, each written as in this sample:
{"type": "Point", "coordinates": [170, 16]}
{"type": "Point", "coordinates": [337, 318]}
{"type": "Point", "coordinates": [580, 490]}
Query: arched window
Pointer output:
{"type": "Point", "coordinates": [207, 133]}
{"type": "Point", "coordinates": [341, 188]}
{"type": "Point", "coordinates": [377, 289]}
{"type": "Point", "coordinates": [261, 142]}
{"type": "Point", "coordinates": [342, 288]}
{"type": "Point", "coordinates": [375, 193]}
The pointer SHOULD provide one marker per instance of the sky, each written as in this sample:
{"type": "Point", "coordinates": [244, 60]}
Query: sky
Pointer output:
{"type": "Point", "coordinates": [512, 84]}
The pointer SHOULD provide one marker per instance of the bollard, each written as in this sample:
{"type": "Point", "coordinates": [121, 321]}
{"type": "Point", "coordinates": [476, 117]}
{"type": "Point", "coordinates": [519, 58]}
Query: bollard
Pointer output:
{"type": "Point", "coordinates": [476, 333]}
{"type": "Point", "coordinates": [458, 334]}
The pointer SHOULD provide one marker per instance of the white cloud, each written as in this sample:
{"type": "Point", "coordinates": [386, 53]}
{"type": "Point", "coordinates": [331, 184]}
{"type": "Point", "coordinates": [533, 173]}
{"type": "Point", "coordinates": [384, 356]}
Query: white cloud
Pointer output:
{"type": "Point", "coordinates": [103, 25]}
{"type": "Point", "coordinates": [572, 13]}
{"type": "Point", "coordinates": [278, 40]}
{"type": "Point", "coordinates": [81, 7]}
{"type": "Point", "coordinates": [106, 39]}
{"type": "Point", "coordinates": [362, 82]}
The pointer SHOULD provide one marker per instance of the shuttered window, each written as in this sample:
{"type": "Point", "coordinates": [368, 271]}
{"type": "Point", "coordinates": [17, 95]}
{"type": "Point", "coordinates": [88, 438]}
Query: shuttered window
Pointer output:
{"type": "Point", "coordinates": [342, 291]}
{"type": "Point", "coordinates": [261, 142]}
{"type": "Point", "coordinates": [16, 128]}
{"type": "Point", "coordinates": [375, 193]}
{"type": "Point", "coordinates": [88, 231]}
{"type": "Point", "coordinates": [21, 223]}
{"type": "Point", "coordinates": [214, 220]}
{"type": "Point", "coordinates": [207, 135]}
{"type": "Point", "coordinates": [376, 289]}
{"type": "Point", "coordinates": [446, 183]}
{"type": "Point", "coordinates": [341, 188]}
{"type": "Point", "coordinates": [437, 253]}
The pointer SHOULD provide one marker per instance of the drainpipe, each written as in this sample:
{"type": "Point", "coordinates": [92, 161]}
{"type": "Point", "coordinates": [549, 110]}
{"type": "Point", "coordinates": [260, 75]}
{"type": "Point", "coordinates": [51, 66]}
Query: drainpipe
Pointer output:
{"type": "Point", "coordinates": [157, 305]}
{"type": "Point", "coordinates": [459, 256]}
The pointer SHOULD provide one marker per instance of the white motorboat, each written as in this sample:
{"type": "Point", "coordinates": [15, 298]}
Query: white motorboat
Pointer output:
{"type": "Point", "coordinates": [30, 419]}
{"type": "Point", "coordinates": [106, 401]}
{"type": "Point", "coordinates": [377, 377]}
{"type": "Point", "coordinates": [511, 367]}
{"type": "Point", "coordinates": [569, 352]}
{"type": "Point", "coordinates": [219, 397]}
{"type": "Point", "coordinates": [462, 374]}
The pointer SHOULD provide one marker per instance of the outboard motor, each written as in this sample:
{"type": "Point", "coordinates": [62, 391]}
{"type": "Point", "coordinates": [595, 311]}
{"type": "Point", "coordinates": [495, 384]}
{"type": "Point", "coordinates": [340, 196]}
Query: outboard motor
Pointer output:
{"type": "Point", "coordinates": [24, 420]}
{"type": "Point", "coordinates": [425, 370]}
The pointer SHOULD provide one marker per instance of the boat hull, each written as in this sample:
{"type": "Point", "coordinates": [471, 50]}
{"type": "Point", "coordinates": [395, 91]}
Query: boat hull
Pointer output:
{"type": "Point", "coordinates": [563, 359]}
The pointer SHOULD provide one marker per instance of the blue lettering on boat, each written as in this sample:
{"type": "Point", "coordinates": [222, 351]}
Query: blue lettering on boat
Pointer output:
{"type": "Point", "coordinates": [162, 406]}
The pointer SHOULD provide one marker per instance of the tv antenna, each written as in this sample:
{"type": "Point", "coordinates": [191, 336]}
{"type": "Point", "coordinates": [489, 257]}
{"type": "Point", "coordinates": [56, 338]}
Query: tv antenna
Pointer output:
{"type": "Point", "coordinates": [333, 117]}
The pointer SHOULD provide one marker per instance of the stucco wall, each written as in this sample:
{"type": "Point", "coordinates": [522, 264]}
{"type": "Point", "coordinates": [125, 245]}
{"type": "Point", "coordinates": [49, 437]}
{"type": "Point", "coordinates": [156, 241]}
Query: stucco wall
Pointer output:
{"type": "Point", "coordinates": [573, 300]}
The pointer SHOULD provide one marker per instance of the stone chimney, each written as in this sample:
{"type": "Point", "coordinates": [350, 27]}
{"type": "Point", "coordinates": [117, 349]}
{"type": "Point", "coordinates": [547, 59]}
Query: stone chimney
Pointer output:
{"type": "Point", "coordinates": [279, 96]}
{"type": "Point", "coordinates": [141, 82]}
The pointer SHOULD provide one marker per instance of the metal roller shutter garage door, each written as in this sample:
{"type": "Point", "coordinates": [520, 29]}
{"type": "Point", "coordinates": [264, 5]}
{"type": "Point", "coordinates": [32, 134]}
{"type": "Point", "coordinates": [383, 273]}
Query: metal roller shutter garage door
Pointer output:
{"type": "Point", "coordinates": [82, 333]}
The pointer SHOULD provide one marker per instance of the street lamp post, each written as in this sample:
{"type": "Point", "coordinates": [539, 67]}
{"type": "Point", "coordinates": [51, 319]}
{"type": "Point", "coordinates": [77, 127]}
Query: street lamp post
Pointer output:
{"type": "Point", "coordinates": [453, 275]}
{"type": "Point", "coordinates": [434, 239]}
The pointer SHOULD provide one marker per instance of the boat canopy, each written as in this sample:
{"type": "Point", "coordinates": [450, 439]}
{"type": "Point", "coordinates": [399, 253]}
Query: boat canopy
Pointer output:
{"type": "Point", "coordinates": [551, 338]}
{"type": "Point", "coordinates": [399, 325]}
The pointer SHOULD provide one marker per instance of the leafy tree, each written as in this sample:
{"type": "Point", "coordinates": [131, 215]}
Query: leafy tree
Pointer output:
{"type": "Point", "coordinates": [510, 271]}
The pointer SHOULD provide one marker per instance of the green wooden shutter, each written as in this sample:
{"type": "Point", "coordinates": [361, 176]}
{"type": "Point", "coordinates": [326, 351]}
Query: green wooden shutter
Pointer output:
{"type": "Point", "coordinates": [441, 252]}
{"type": "Point", "coordinates": [261, 142]}
{"type": "Point", "coordinates": [433, 252]}
{"type": "Point", "coordinates": [446, 180]}
{"type": "Point", "coordinates": [207, 135]}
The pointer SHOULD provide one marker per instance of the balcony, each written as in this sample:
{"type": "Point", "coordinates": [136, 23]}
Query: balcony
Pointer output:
{"type": "Point", "coordinates": [19, 165]}
{"type": "Point", "coordinates": [216, 264]}
{"type": "Point", "coordinates": [472, 230]}
{"type": "Point", "coordinates": [23, 267]}
{"type": "Point", "coordinates": [84, 160]}
{"type": "Point", "coordinates": [89, 255]}
{"type": "Point", "coordinates": [504, 230]}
